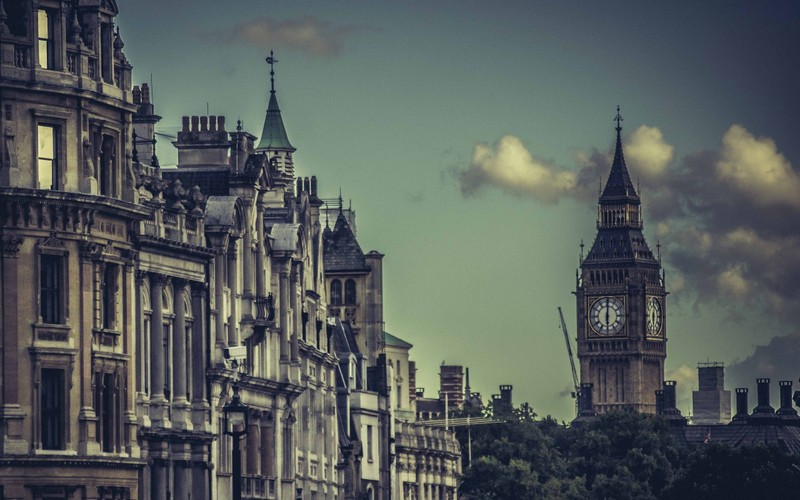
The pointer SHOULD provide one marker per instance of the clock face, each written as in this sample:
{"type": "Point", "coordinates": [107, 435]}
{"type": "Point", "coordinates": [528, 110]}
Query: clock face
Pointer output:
{"type": "Point", "coordinates": [653, 316]}
{"type": "Point", "coordinates": [607, 316]}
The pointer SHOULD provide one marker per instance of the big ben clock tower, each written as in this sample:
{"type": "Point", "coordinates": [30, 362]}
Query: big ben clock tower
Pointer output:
{"type": "Point", "coordinates": [621, 302]}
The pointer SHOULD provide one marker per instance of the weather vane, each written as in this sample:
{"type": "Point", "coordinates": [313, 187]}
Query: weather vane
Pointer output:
{"type": "Point", "coordinates": [271, 61]}
{"type": "Point", "coordinates": [618, 119]}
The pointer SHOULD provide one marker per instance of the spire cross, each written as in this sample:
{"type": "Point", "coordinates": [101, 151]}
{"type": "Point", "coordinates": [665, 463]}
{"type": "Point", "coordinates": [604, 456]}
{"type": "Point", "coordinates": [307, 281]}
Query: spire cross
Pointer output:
{"type": "Point", "coordinates": [618, 119]}
{"type": "Point", "coordinates": [271, 61]}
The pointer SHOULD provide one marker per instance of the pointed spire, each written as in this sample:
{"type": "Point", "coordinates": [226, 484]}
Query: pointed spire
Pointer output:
{"type": "Point", "coordinates": [619, 184]}
{"type": "Point", "coordinates": [273, 136]}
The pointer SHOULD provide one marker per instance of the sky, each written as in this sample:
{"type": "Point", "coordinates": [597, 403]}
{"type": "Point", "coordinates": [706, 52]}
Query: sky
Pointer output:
{"type": "Point", "coordinates": [471, 137]}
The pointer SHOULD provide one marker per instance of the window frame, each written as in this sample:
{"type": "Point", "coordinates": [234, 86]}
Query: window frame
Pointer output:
{"type": "Point", "coordinates": [48, 42]}
{"type": "Point", "coordinates": [350, 289]}
{"type": "Point", "coordinates": [60, 385]}
{"type": "Point", "coordinates": [336, 292]}
{"type": "Point", "coordinates": [55, 170]}
{"type": "Point", "coordinates": [54, 250]}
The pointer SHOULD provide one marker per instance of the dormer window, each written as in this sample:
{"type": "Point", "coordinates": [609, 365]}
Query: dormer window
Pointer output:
{"type": "Point", "coordinates": [46, 42]}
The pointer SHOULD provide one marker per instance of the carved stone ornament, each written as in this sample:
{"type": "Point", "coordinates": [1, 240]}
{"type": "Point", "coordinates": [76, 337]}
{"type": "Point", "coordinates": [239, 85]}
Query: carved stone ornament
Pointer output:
{"type": "Point", "coordinates": [10, 245]}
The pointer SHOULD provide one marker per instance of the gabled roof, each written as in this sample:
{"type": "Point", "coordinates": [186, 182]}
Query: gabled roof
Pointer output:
{"type": "Point", "coordinates": [341, 251]}
{"type": "Point", "coordinates": [273, 136]}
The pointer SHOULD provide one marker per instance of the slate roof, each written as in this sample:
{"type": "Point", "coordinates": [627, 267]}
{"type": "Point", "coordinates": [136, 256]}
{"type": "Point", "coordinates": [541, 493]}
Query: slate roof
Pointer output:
{"type": "Point", "coordinates": [212, 181]}
{"type": "Point", "coordinates": [619, 187]}
{"type": "Point", "coordinates": [343, 338]}
{"type": "Point", "coordinates": [341, 251]}
{"type": "Point", "coordinates": [273, 136]}
{"type": "Point", "coordinates": [629, 248]}
{"type": "Point", "coordinates": [784, 437]}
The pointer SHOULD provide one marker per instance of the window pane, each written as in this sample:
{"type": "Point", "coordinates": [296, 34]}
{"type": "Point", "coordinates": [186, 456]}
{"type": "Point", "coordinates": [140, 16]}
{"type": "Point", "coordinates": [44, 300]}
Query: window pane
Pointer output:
{"type": "Point", "coordinates": [44, 24]}
{"type": "Point", "coordinates": [50, 285]}
{"type": "Point", "coordinates": [52, 403]}
{"type": "Point", "coordinates": [46, 165]}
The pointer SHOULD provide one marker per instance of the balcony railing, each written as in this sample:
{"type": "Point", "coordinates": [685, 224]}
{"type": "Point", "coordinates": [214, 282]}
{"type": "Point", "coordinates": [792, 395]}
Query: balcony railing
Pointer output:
{"type": "Point", "coordinates": [22, 56]}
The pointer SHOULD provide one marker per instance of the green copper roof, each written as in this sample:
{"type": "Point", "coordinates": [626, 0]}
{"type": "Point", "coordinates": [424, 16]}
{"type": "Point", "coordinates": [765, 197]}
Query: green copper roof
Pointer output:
{"type": "Point", "coordinates": [273, 137]}
{"type": "Point", "coordinates": [391, 340]}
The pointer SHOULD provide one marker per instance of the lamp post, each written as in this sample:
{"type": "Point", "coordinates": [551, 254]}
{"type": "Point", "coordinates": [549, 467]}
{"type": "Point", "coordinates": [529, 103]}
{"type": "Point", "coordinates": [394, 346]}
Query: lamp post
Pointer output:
{"type": "Point", "coordinates": [235, 422]}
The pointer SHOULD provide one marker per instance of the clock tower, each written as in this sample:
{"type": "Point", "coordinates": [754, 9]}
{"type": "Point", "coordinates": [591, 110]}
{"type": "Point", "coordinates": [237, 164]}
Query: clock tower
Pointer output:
{"type": "Point", "coordinates": [621, 302]}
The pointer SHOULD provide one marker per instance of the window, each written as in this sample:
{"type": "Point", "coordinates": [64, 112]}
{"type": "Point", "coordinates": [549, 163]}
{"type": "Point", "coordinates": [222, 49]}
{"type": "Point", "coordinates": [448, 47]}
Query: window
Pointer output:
{"type": "Point", "coordinates": [106, 177]}
{"type": "Point", "coordinates": [50, 289]}
{"type": "Point", "coordinates": [45, 26]}
{"type": "Point", "coordinates": [109, 296]}
{"type": "Point", "coordinates": [369, 443]}
{"type": "Point", "coordinates": [106, 410]}
{"type": "Point", "coordinates": [52, 404]}
{"type": "Point", "coordinates": [47, 154]}
{"type": "Point", "coordinates": [336, 292]}
{"type": "Point", "coordinates": [350, 292]}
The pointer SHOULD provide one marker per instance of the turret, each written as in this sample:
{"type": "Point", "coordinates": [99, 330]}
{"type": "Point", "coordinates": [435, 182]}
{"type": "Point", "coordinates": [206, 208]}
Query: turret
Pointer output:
{"type": "Point", "coordinates": [274, 142]}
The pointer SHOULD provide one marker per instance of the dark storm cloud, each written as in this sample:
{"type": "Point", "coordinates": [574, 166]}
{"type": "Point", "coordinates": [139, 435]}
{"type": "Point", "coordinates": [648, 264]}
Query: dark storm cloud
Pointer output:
{"type": "Point", "coordinates": [306, 34]}
{"type": "Point", "coordinates": [776, 360]}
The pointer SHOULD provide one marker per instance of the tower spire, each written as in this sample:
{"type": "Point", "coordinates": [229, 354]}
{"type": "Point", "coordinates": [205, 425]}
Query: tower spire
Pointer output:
{"type": "Point", "coordinates": [273, 136]}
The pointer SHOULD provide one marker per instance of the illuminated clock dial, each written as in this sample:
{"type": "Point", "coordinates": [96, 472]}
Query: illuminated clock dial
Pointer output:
{"type": "Point", "coordinates": [653, 316]}
{"type": "Point", "coordinates": [607, 316]}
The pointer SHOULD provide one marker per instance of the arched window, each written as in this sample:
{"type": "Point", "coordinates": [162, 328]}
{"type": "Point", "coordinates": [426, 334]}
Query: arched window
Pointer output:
{"type": "Point", "coordinates": [336, 292]}
{"type": "Point", "coordinates": [350, 292]}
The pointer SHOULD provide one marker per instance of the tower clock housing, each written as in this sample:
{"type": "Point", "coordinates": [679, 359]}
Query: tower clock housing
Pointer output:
{"type": "Point", "coordinates": [621, 302]}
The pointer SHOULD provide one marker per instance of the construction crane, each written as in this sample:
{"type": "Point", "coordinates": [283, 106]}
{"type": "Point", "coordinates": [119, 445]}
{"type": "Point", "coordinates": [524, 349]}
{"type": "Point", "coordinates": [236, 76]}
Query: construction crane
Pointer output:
{"type": "Point", "coordinates": [571, 357]}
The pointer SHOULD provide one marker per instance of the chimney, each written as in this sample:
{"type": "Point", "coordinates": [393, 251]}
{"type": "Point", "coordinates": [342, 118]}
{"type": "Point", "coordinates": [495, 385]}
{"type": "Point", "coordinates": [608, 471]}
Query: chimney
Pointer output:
{"type": "Point", "coordinates": [314, 195]}
{"type": "Point", "coordinates": [203, 124]}
{"type": "Point", "coordinates": [786, 411]}
{"type": "Point", "coordinates": [505, 395]}
{"type": "Point", "coordinates": [137, 94]}
{"type": "Point", "coordinates": [212, 123]}
{"type": "Point", "coordinates": [221, 123]}
{"type": "Point", "coordinates": [741, 404]}
{"type": "Point", "coordinates": [763, 398]}
{"type": "Point", "coordinates": [145, 93]}
{"type": "Point", "coordinates": [307, 185]}
{"type": "Point", "coordinates": [669, 400]}
{"type": "Point", "coordinates": [185, 124]}
{"type": "Point", "coordinates": [195, 122]}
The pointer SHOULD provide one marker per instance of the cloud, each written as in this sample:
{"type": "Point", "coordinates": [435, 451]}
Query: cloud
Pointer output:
{"type": "Point", "coordinates": [511, 167]}
{"type": "Point", "coordinates": [647, 153]}
{"type": "Point", "coordinates": [776, 360]}
{"type": "Point", "coordinates": [755, 168]}
{"type": "Point", "coordinates": [306, 34]}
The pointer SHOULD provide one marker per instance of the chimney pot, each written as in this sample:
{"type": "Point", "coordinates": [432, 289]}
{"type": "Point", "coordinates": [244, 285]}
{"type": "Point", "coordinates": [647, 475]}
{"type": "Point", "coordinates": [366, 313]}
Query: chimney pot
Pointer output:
{"type": "Point", "coordinates": [195, 122]}
{"type": "Point", "coordinates": [137, 94]}
{"type": "Point", "coordinates": [221, 123]}
{"type": "Point", "coordinates": [185, 123]}
{"type": "Point", "coordinates": [307, 185]}
{"type": "Point", "coordinates": [212, 123]}
{"type": "Point", "coordinates": [314, 194]}
{"type": "Point", "coordinates": [203, 124]}
{"type": "Point", "coordinates": [763, 397]}
{"type": "Point", "coordinates": [786, 409]}
{"type": "Point", "coordinates": [145, 93]}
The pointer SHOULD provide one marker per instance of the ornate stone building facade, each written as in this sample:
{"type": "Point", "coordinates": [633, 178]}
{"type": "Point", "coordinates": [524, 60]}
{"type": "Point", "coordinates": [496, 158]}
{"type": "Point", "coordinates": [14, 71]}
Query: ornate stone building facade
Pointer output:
{"type": "Point", "coordinates": [621, 302]}
{"type": "Point", "coordinates": [136, 298]}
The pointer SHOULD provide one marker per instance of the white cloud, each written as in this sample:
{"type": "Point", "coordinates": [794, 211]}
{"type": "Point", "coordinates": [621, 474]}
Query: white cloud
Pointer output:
{"type": "Point", "coordinates": [647, 152]}
{"type": "Point", "coordinates": [733, 282]}
{"type": "Point", "coordinates": [756, 169]}
{"type": "Point", "coordinates": [511, 167]}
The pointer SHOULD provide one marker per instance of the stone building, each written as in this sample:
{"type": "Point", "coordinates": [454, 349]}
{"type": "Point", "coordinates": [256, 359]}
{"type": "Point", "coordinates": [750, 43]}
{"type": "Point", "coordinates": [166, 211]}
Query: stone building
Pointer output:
{"type": "Point", "coordinates": [69, 213]}
{"type": "Point", "coordinates": [621, 302]}
{"type": "Point", "coordinates": [387, 453]}
{"type": "Point", "coordinates": [711, 403]}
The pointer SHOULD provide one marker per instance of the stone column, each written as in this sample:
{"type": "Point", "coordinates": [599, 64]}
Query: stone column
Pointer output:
{"type": "Point", "coordinates": [284, 310]}
{"type": "Point", "coordinates": [268, 452]}
{"type": "Point", "coordinates": [179, 402]}
{"type": "Point", "coordinates": [87, 417]}
{"type": "Point", "coordinates": [294, 286]}
{"type": "Point", "coordinates": [233, 283]}
{"type": "Point", "coordinates": [252, 446]}
{"type": "Point", "coordinates": [247, 255]}
{"type": "Point", "coordinates": [219, 297]}
{"type": "Point", "coordinates": [158, 487]}
{"type": "Point", "coordinates": [157, 401]}
{"type": "Point", "coordinates": [182, 480]}
{"type": "Point", "coordinates": [200, 405]}
{"type": "Point", "coordinates": [11, 417]}
{"type": "Point", "coordinates": [261, 285]}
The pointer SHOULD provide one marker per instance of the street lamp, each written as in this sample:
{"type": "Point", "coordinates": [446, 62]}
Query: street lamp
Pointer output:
{"type": "Point", "coordinates": [235, 422]}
